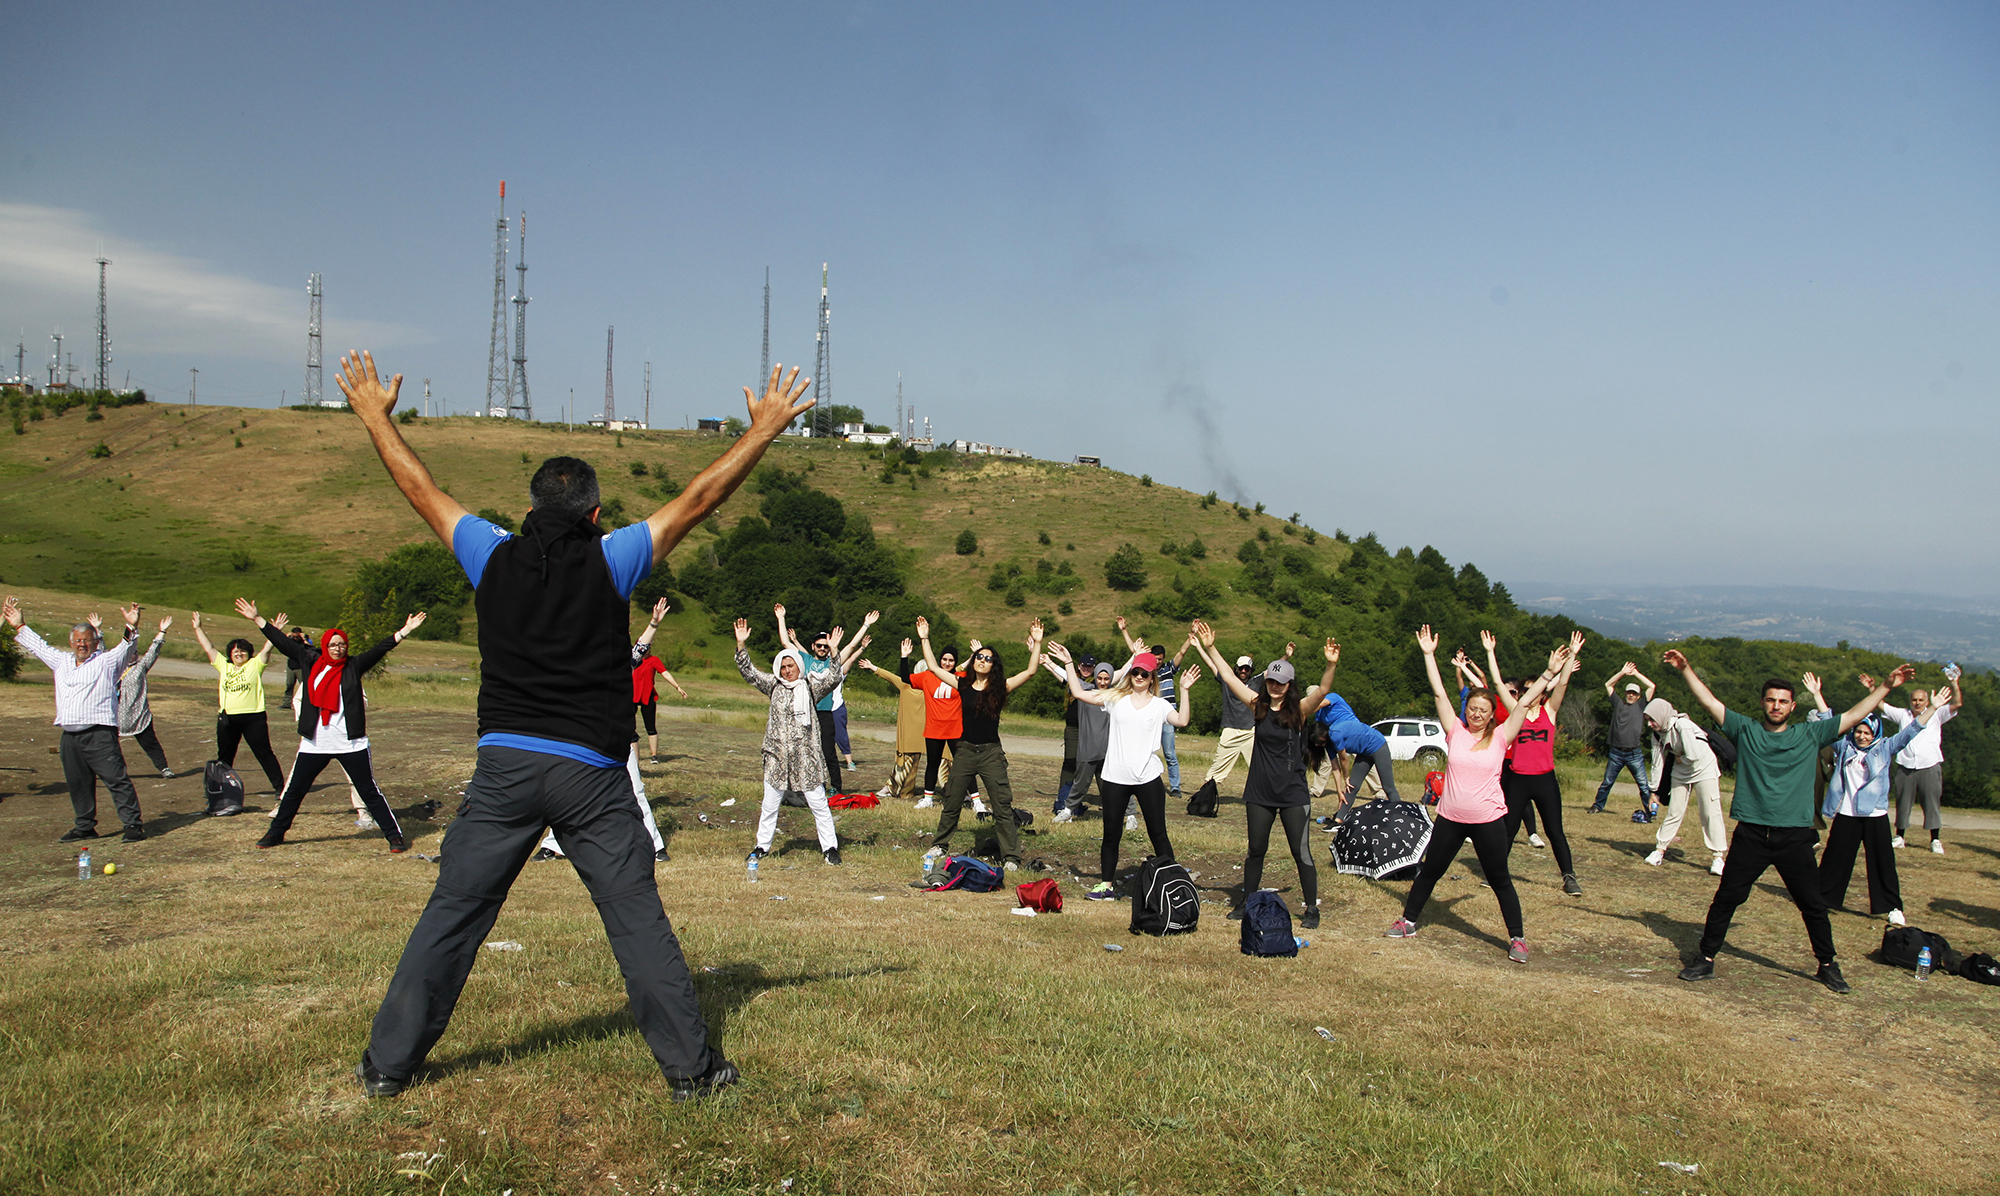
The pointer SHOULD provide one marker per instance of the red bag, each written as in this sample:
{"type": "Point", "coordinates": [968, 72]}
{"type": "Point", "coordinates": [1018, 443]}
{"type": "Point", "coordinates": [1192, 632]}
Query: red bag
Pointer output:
{"type": "Point", "coordinates": [1042, 896]}
{"type": "Point", "coordinates": [1433, 787]}
{"type": "Point", "coordinates": [853, 801]}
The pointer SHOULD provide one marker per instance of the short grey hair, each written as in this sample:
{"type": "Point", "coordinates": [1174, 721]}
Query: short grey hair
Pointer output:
{"type": "Point", "coordinates": [86, 629]}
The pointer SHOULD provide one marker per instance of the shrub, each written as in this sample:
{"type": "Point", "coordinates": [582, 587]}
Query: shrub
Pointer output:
{"type": "Point", "coordinates": [1125, 569]}
{"type": "Point", "coordinates": [496, 518]}
{"type": "Point", "coordinates": [1189, 598]}
{"type": "Point", "coordinates": [1015, 597]}
{"type": "Point", "coordinates": [1064, 608]}
{"type": "Point", "coordinates": [1042, 538]}
{"type": "Point", "coordinates": [10, 654]}
{"type": "Point", "coordinates": [967, 543]}
{"type": "Point", "coordinates": [654, 586]}
{"type": "Point", "coordinates": [408, 416]}
{"type": "Point", "coordinates": [101, 450]}
{"type": "Point", "coordinates": [240, 561]}
{"type": "Point", "coordinates": [638, 469]}
{"type": "Point", "coordinates": [422, 576]}
{"type": "Point", "coordinates": [1145, 479]}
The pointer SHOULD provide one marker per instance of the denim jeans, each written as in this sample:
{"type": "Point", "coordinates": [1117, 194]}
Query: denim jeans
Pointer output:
{"type": "Point", "coordinates": [1173, 761]}
{"type": "Point", "coordinates": [1635, 759]}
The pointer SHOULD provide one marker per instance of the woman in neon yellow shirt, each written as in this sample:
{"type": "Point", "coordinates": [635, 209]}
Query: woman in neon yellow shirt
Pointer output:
{"type": "Point", "coordinates": [240, 694]}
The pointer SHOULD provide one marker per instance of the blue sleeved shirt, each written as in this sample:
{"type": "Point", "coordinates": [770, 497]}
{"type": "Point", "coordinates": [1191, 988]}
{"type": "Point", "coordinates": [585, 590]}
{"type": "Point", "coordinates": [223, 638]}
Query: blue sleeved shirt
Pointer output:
{"type": "Point", "coordinates": [629, 553]}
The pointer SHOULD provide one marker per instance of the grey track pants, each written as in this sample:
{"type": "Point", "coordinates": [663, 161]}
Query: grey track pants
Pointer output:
{"type": "Point", "coordinates": [512, 796]}
{"type": "Point", "coordinates": [89, 756]}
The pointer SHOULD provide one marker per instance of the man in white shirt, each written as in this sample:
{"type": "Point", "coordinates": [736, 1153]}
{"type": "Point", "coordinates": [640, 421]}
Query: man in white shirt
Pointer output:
{"type": "Point", "coordinates": [1919, 767]}
{"type": "Point", "coordinates": [87, 712]}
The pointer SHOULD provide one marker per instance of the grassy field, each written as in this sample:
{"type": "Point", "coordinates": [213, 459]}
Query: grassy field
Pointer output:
{"type": "Point", "coordinates": [188, 1025]}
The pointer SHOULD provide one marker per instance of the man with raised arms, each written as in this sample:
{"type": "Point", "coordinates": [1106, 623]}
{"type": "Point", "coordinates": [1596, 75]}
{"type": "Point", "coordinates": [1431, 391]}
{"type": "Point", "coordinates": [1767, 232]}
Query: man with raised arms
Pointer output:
{"type": "Point", "coordinates": [555, 724]}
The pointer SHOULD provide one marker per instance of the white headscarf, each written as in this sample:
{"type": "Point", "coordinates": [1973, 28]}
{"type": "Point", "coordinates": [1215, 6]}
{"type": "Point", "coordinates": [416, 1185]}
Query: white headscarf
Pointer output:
{"type": "Point", "coordinates": [802, 700]}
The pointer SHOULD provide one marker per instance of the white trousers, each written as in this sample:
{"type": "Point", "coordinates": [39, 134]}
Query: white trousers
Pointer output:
{"type": "Point", "coordinates": [638, 794]}
{"type": "Point", "coordinates": [767, 820]}
{"type": "Point", "coordinates": [1713, 834]}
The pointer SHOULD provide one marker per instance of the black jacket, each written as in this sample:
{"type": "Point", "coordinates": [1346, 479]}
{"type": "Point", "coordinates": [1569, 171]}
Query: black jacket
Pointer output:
{"type": "Point", "coordinates": [304, 656]}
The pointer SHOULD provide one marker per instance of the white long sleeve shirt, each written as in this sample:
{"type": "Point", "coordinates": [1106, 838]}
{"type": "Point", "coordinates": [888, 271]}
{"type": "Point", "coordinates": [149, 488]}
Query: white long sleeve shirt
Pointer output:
{"type": "Point", "coordinates": [1927, 749]}
{"type": "Point", "coordinates": [87, 693]}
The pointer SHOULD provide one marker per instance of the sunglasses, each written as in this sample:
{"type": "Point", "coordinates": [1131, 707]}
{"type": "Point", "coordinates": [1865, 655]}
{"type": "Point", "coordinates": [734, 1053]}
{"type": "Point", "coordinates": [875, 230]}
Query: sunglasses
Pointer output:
{"type": "Point", "coordinates": [987, 657]}
{"type": "Point", "coordinates": [1141, 674]}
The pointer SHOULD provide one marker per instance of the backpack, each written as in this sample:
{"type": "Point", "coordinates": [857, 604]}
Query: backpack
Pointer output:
{"type": "Point", "coordinates": [1166, 900]}
{"type": "Point", "coordinates": [853, 801]}
{"type": "Point", "coordinates": [1725, 753]}
{"type": "Point", "coordinates": [1900, 945]}
{"type": "Point", "coordinates": [223, 788]}
{"type": "Point", "coordinates": [1202, 804]}
{"type": "Point", "coordinates": [1267, 926]}
{"type": "Point", "coordinates": [1980, 968]}
{"type": "Point", "coordinates": [1433, 787]}
{"type": "Point", "coordinates": [1042, 896]}
{"type": "Point", "coordinates": [967, 873]}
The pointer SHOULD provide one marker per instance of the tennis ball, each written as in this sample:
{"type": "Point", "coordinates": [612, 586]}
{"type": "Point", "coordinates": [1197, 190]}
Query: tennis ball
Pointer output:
{"type": "Point", "coordinates": [110, 868]}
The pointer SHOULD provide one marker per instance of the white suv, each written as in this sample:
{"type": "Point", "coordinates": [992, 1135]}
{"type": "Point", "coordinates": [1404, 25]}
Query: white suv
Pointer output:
{"type": "Point", "coordinates": [1418, 739]}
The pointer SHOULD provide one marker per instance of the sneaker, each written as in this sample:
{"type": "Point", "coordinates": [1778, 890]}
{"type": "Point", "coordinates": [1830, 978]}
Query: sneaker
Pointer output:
{"type": "Point", "coordinates": [364, 823]}
{"type": "Point", "coordinates": [547, 853]}
{"type": "Point", "coordinates": [1937, 846]}
{"type": "Point", "coordinates": [661, 856]}
{"type": "Point", "coordinates": [398, 845]}
{"type": "Point", "coordinates": [1658, 857]}
{"type": "Point", "coordinates": [1131, 822]}
{"type": "Point", "coordinates": [1829, 975]}
{"type": "Point", "coordinates": [757, 853]}
{"type": "Point", "coordinates": [1535, 840]}
{"type": "Point", "coordinates": [1715, 866]}
{"type": "Point", "coordinates": [1236, 915]}
{"type": "Point", "coordinates": [1176, 795]}
{"type": "Point", "coordinates": [721, 1076]}
{"type": "Point", "coordinates": [77, 835]}
{"type": "Point", "coordinates": [1700, 969]}
{"type": "Point", "coordinates": [271, 839]}
{"type": "Point", "coordinates": [1897, 842]}
{"type": "Point", "coordinates": [924, 803]}
{"type": "Point", "coordinates": [1593, 809]}
{"type": "Point", "coordinates": [883, 792]}
{"type": "Point", "coordinates": [1570, 886]}
{"type": "Point", "coordinates": [135, 833]}
{"type": "Point", "coordinates": [1064, 815]}
{"type": "Point", "coordinates": [1309, 920]}
{"type": "Point", "coordinates": [832, 855]}
{"type": "Point", "coordinates": [168, 773]}
{"type": "Point", "coordinates": [1517, 950]}
{"type": "Point", "coordinates": [1101, 891]}
{"type": "Point", "coordinates": [1896, 918]}
{"type": "Point", "coordinates": [373, 1082]}
{"type": "Point", "coordinates": [979, 807]}
{"type": "Point", "coordinates": [1401, 928]}
{"type": "Point", "coordinates": [1010, 867]}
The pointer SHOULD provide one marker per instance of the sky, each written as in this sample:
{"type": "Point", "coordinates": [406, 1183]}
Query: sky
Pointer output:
{"type": "Point", "coordinates": [1627, 294]}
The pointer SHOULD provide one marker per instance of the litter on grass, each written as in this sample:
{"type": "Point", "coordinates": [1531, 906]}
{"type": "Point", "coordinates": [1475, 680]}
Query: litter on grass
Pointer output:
{"type": "Point", "coordinates": [780, 897]}
{"type": "Point", "coordinates": [878, 898]}
{"type": "Point", "coordinates": [1323, 1032]}
{"type": "Point", "coordinates": [730, 802]}
{"type": "Point", "coordinates": [1022, 910]}
{"type": "Point", "coordinates": [1113, 947]}
{"type": "Point", "coordinates": [1684, 1168]}
{"type": "Point", "coordinates": [504, 945]}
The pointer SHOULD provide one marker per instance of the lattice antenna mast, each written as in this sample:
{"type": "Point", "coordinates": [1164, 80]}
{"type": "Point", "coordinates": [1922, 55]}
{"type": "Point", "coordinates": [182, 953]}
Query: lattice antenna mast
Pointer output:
{"type": "Point", "coordinates": [764, 372]}
{"type": "Point", "coordinates": [498, 382]}
{"type": "Point", "coordinates": [649, 394]}
{"type": "Point", "coordinates": [312, 342]}
{"type": "Point", "coordinates": [899, 405]}
{"type": "Point", "coordinates": [103, 379]}
{"type": "Point", "coordinates": [518, 406]}
{"type": "Point", "coordinates": [21, 358]}
{"type": "Point", "coordinates": [427, 398]}
{"type": "Point", "coordinates": [610, 410]}
{"type": "Point", "coordinates": [822, 368]}
{"type": "Point", "coordinates": [55, 362]}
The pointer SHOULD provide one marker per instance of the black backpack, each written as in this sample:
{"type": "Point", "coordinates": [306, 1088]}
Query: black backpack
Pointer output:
{"type": "Point", "coordinates": [1267, 926]}
{"type": "Point", "coordinates": [1981, 968]}
{"type": "Point", "coordinates": [1164, 900]}
{"type": "Point", "coordinates": [1725, 752]}
{"type": "Point", "coordinates": [1902, 944]}
{"type": "Point", "coordinates": [1202, 804]}
{"type": "Point", "coordinates": [223, 788]}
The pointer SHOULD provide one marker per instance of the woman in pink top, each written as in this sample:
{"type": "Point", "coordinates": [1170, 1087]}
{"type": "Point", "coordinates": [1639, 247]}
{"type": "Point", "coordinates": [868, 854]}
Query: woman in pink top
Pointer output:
{"type": "Point", "coordinates": [1473, 806]}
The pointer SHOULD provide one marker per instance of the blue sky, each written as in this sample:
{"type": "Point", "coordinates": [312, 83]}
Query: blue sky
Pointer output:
{"type": "Point", "coordinates": [1631, 294]}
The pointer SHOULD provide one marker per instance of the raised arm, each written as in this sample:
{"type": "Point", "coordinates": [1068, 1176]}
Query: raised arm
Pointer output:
{"type": "Point", "coordinates": [1859, 710]}
{"type": "Point", "coordinates": [248, 610]}
{"type": "Point", "coordinates": [1133, 642]}
{"type": "Point", "coordinates": [764, 682]}
{"type": "Point", "coordinates": [1096, 697]}
{"type": "Point", "coordinates": [1182, 714]}
{"type": "Point", "coordinates": [861, 637]}
{"type": "Point", "coordinates": [930, 661]}
{"type": "Point", "coordinates": [1674, 659]}
{"type": "Point", "coordinates": [1314, 700]}
{"type": "Point", "coordinates": [1811, 682]}
{"type": "Point", "coordinates": [1558, 662]}
{"type": "Point", "coordinates": [1205, 639]}
{"type": "Point", "coordinates": [1491, 642]}
{"type": "Point", "coordinates": [1035, 634]}
{"type": "Point", "coordinates": [200, 636]}
{"type": "Point", "coordinates": [1560, 689]}
{"type": "Point", "coordinates": [1611, 686]}
{"type": "Point", "coordinates": [660, 609]}
{"type": "Point", "coordinates": [769, 416]}
{"type": "Point", "coordinates": [1427, 642]}
{"type": "Point", "coordinates": [372, 400]}
{"type": "Point", "coordinates": [785, 637]}
{"type": "Point", "coordinates": [1645, 681]}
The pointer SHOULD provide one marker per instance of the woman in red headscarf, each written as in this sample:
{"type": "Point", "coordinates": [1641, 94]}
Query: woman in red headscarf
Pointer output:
{"type": "Point", "coordinates": [333, 720]}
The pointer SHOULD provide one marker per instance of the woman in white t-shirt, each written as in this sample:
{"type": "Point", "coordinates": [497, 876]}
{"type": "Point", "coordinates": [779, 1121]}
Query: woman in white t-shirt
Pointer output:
{"type": "Point", "coordinates": [1131, 770]}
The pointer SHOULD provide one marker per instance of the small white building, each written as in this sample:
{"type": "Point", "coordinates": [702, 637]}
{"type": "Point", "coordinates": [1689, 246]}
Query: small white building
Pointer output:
{"type": "Point", "coordinates": [872, 438]}
{"type": "Point", "coordinates": [976, 449]}
{"type": "Point", "coordinates": [617, 425]}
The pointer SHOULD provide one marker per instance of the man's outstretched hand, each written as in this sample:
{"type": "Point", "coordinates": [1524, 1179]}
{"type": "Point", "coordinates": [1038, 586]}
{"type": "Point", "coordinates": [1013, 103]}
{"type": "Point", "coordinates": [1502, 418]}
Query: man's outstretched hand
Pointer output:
{"type": "Point", "coordinates": [364, 390]}
{"type": "Point", "coordinates": [780, 404]}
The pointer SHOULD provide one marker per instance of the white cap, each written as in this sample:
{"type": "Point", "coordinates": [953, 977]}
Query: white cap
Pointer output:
{"type": "Point", "coordinates": [1244, 662]}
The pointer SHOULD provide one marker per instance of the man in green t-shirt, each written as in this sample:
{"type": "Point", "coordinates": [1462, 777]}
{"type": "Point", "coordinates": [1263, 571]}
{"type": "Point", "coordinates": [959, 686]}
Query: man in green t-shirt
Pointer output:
{"type": "Point", "coordinates": [1773, 807]}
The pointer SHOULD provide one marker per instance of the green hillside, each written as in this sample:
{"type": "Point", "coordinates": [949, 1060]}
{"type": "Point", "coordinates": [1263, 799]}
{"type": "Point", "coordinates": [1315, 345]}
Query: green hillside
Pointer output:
{"type": "Point", "coordinates": [184, 507]}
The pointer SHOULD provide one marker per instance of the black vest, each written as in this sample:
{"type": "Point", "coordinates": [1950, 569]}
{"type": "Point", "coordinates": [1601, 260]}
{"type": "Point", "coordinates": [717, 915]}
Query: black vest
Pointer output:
{"type": "Point", "coordinates": [553, 639]}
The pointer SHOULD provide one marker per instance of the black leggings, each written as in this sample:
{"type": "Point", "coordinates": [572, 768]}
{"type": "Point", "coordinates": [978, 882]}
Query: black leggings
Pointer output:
{"type": "Point", "coordinates": [149, 743]}
{"type": "Point", "coordinates": [307, 766]}
{"type": "Point", "coordinates": [255, 730]}
{"type": "Point", "coordinates": [1385, 771]}
{"type": "Point", "coordinates": [1492, 842]}
{"type": "Point", "coordinates": [649, 713]}
{"type": "Point", "coordinates": [1261, 818]}
{"type": "Point", "coordinates": [933, 756]}
{"type": "Point", "coordinates": [1528, 793]}
{"type": "Point", "coordinates": [1152, 800]}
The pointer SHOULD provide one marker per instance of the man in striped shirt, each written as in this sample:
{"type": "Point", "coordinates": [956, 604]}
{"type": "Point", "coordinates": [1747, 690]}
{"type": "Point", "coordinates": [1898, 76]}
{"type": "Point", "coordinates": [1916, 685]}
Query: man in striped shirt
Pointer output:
{"type": "Point", "coordinates": [87, 712]}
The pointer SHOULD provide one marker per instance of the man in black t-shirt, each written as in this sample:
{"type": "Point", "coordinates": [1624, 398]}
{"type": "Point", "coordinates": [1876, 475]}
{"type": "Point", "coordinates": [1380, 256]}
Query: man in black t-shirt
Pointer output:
{"type": "Point", "coordinates": [1626, 739]}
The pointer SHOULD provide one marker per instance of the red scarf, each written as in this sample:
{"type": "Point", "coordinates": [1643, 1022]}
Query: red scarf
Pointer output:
{"type": "Point", "coordinates": [323, 684]}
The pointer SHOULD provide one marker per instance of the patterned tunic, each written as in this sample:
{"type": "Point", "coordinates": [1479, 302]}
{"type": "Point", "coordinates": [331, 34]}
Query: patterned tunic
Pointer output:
{"type": "Point", "coordinates": [792, 759]}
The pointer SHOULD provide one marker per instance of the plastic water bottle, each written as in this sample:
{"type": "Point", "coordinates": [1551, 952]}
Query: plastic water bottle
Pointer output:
{"type": "Point", "coordinates": [930, 868]}
{"type": "Point", "coordinates": [1924, 964]}
{"type": "Point", "coordinates": [751, 867]}
{"type": "Point", "coordinates": [83, 864]}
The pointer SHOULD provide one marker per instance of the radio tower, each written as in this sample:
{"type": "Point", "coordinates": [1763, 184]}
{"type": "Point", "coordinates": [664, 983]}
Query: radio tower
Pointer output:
{"type": "Point", "coordinates": [498, 383]}
{"type": "Point", "coordinates": [764, 375]}
{"type": "Point", "coordinates": [899, 405]}
{"type": "Point", "coordinates": [312, 342]}
{"type": "Point", "coordinates": [649, 394]}
{"type": "Point", "coordinates": [822, 370]}
{"type": "Point", "coordinates": [518, 406]}
{"type": "Point", "coordinates": [609, 411]}
{"type": "Point", "coordinates": [103, 331]}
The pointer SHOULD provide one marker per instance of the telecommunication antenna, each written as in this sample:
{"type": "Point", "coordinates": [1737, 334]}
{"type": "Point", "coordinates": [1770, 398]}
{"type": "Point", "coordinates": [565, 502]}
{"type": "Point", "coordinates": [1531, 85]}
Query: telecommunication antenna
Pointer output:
{"type": "Point", "coordinates": [427, 398]}
{"type": "Point", "coordinates": [103, 380]}
{"type": "Point", "coordinates": [498, 382]}
{"type": "Point", "coordinates": [764, 374]}
{"type": "Point", "coordinates": [610, 412]}
{"type": "Point", "coordinates": [192, 378]}
{"type": "Point", "coordinates": [899, 405]}
{"type": "Point", "coordinates": [649, 394]}
{"type": "Point", "coordinates": [822, 370]}
{"type": "Point", "coordinates": [21, 358]}
{"type": "Point", "coordinates": [517, 402]}
{"type": "Point", "coordinates": [55, 362]}
{"type": "Point", "coordinates": [312, 342]}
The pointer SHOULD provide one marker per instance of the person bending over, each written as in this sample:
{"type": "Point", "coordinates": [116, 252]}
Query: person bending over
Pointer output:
{"type": "Point", "coordinates": [1773, 808]}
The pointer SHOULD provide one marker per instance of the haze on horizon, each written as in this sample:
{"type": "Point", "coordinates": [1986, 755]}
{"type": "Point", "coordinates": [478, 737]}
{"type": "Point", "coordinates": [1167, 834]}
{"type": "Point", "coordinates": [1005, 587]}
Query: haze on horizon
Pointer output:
{"type": "Point", "coordinates": [1639, 294]}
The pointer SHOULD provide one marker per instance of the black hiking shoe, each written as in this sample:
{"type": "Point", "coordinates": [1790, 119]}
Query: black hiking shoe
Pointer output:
{"type": "Point", "coordinates": [1236, 915]}
{"type": "Point", "coordinates": [1829, 975]}
{"type": "Point", "coordinates": [721, 1076]}
{"type": "Point", "coordinates": [77, 835]}
{"type": "Point", "coordinates": [1310, 919]}
{"type": "Point", "coordinates": [135, 833]}
{"type": "Point", "coordinates": [1570, 886]}
{"type": "Point", "coordinates": [832, 855]}
{"type": "Point", "coordinates": [1700, 969]}
{"type": "Point", "coordinates": [373, 1082]}
{"type": "Point", "coordinates": [661, 856]}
